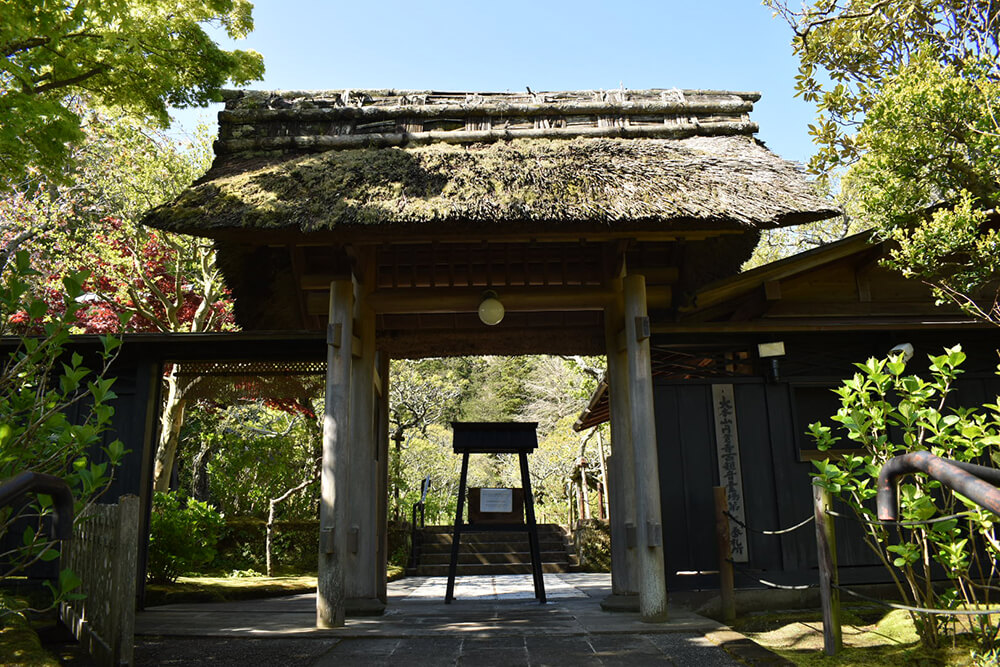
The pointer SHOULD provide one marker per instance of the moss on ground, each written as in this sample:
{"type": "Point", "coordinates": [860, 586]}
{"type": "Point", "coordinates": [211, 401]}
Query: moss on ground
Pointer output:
{"type": "Point", "coordinates": [20, 645]}
{"type": "Point", "coordinates": [871, 637]}
{"type": "Point", "coordinates": [225, 589]}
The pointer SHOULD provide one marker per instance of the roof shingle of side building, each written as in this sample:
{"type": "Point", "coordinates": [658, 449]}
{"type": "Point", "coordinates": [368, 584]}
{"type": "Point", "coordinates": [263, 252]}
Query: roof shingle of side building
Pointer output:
{"type": "Point", "coordinates": [323, 161]}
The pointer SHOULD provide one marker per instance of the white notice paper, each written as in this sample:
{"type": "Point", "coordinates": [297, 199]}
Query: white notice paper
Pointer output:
{"type": "Point", "coordinates": [496, 500]}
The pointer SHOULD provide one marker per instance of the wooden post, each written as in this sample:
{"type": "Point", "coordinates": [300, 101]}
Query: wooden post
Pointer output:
{"type": "Point", "coordinates": [333, 508]}
{"type": "Point", "coordinates": [456, 536]}
{"type": "Point", "coordinates": [382, 475]}
{"type": "Point", "coordinates": [826, 551]}
{"type": "Point", "coordinates": [360, 576]}
{"type": "Point", "coordinates": [624, 566]}
{"type": "Point", "coordinates": [727, 593]}
{"type": "Point", "coordinates": [652, 570]}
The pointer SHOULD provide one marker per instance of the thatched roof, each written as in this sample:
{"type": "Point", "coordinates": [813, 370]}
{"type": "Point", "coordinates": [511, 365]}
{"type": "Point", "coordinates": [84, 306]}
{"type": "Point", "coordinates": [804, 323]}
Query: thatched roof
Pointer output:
{"type": "Point", "coordinates": [309, 162]}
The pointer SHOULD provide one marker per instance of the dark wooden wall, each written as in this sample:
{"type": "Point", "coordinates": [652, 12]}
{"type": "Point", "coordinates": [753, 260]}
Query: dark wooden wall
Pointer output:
{"type": "Point", "coordinates": [771, 421]}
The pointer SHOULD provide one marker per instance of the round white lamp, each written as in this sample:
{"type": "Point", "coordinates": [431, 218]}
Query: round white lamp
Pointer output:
{"type": "Point", "coordinates": [490, 309]}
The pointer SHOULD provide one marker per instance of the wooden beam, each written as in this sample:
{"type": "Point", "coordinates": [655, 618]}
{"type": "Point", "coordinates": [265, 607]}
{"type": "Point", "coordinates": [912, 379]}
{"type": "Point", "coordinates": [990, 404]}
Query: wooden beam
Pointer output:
{"type": "Point", "coordinates": [848, 308]}
{"type": "Point", "coordinates": [491, 340]}
{"type": "Point", "coordinates": [295, 254]}
{"type": "Point", "coordinates": [818, 324]}
{"type": "Point", "coordinates": [466, 299]}
{"type": "Point", "coordinates": [657, 275]}
{"type": "Point", "coordinates": [772, 290]}
{"type": "Point", "coordinates": [728, 288]}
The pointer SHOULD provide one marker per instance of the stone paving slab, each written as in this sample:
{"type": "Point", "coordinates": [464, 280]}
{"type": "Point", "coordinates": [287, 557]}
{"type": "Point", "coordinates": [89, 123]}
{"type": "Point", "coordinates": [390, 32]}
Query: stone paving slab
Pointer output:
{"type": "Point", "coordinates": [508, 651]}
{"type": "Point", "coordinates": [490, 623]}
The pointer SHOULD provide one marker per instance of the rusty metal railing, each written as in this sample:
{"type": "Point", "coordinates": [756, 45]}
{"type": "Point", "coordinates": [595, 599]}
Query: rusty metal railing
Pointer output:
{"type": "Point", "coordinates": [415, 534]}
{"type": "Point", "coordinates": [36, 482]}
{"type": "Point", "coordinates": [977, 483]}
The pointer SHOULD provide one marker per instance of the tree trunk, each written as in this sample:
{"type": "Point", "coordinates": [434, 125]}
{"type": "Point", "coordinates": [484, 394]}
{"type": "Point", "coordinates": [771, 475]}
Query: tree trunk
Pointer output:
{"type": "Point", "coordinates": [397, 438]}
{"type": "Point", "coordinates": [603, 488]}
{"type": "Point", "coordinates": [199, 472]}
{"type": "Point", "coordinates": [171, 420]}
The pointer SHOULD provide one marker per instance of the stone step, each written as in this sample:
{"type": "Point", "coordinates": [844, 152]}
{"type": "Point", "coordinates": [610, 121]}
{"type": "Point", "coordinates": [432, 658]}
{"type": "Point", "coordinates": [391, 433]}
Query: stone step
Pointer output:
{"type": "Point", "coordinates": [542, 528]}
{"type": "Point", "coordinates": [467, 545]}
{"type": "Point", "coordinates": [487, 557]}
{"type": "Point", "coordinates": [493, 552]}
{"type": "Point", "coordinates": [509, 568]}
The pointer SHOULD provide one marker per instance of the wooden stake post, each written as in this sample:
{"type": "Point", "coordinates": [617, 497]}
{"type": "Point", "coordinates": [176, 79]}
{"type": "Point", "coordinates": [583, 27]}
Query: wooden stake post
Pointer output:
{"type": "Point", "coordinates": [496, 438]}
{"type": "Point", "coordinates": [727, 592]}
{"type": "Point", "coordinates": [826, 551]}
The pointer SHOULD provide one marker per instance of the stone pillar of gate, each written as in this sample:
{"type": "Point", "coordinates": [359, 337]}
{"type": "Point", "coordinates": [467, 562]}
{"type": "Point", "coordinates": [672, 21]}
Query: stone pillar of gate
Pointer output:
{"type": "Point", "coordinates": [361, 571]}
{"type": "Point", "coordinates": [649, 525]}
{"type": "Point", "coordinates": [333, 507]}
{"type": "Point", "coordinates": [621, 463]}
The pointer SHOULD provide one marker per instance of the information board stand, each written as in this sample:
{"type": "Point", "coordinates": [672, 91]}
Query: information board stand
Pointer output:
{"type": "Point", "coordinates": [496, 438]}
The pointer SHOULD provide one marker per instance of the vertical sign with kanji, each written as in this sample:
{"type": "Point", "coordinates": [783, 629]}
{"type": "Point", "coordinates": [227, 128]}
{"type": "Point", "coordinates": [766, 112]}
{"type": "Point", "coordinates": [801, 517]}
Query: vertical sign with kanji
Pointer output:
{"type": "Point", "coordinates": [727, 443]}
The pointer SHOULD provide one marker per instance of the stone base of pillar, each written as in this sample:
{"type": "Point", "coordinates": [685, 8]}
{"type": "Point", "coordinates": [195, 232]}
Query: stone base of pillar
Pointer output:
{"type": "Point", "coordinates": [621, 602]}
{"type": "Point", "coordinates": [363, 607]}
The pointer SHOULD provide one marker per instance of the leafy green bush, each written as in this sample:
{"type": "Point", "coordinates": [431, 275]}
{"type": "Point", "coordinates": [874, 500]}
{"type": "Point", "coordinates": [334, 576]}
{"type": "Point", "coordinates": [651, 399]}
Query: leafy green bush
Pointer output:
{"type": "Point", "coordinates": [183, 534]}
{"type": "Point", "coordinates": [56, 408]}
{"type": "Point", "coordinates": [887, 413]}
{"type": "Point", "coordinates": [593, 545]}
{"type": "Point", "coordinates": [241, 546]}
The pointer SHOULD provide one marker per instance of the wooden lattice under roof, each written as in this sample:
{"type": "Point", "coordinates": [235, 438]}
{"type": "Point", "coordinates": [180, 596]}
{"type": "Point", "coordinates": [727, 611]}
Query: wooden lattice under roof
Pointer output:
{"type": "Point", "coordinates": [225, 381]}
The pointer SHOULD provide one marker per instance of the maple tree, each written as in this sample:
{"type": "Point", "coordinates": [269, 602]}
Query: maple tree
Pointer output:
{"type": "Point", "coordinates": [141, 279]}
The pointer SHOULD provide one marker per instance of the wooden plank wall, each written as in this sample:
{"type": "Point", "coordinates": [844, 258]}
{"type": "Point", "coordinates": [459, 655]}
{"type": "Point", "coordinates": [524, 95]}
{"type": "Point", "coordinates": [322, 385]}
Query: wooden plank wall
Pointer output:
{"type": "Point", "coordinates": [777, 485]}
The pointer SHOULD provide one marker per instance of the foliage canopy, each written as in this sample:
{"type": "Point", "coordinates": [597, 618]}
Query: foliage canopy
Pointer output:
{"type": "Point", "coordinates": [135, 56]}
{"type": "Point", "coordinates": [907, 93]}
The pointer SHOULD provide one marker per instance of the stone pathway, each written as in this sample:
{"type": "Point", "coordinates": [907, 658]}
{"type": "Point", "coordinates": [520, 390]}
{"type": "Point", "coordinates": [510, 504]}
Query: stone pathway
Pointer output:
{"type": "Point", "coordinates": [493, 621]}
{"type": "Point", "coordinates": [494, 587]}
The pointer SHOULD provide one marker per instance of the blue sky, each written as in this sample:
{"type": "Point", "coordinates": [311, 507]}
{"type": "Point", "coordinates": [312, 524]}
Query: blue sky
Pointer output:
{"type": "Point", "coordinates": [497, 46]}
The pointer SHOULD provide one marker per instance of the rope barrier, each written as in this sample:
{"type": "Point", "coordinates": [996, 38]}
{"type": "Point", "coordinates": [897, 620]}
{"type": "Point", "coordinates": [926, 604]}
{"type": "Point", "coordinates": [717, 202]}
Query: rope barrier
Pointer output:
{"type": "Point", "coordinates": [921, 610]}
{"type": "Point", "coordinates": [771, 584]}
{"type": "Point", "coordinates": [782, 531]}
{"type": "Point", "coordinates": [904, 524]}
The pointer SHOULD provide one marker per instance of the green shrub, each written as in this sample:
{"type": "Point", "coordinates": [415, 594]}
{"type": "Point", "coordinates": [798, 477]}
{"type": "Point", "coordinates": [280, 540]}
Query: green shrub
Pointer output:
{"type": "Point", "coordinates": [886, 412]}
{"type": "Point", "coordinates": [593, 545]}
{"type": "Point", "coordinates": [183, 534]}
{"type": "Point", "coordinates": [242, 545]}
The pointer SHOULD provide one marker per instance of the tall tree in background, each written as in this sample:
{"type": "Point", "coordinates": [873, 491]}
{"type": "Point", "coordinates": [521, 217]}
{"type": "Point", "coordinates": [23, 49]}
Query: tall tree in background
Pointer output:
{"type": "Point", "coordinates": [124, 54]}
{"type": "Point", "coordinates": [908, 94]}
{"type": "Point", "coordinates": [142, 279]}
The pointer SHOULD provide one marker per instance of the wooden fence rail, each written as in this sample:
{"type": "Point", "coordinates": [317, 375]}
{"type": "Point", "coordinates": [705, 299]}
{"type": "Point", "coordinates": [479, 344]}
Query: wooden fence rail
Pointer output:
{"type": "Point", "coordinates": [103, 554]}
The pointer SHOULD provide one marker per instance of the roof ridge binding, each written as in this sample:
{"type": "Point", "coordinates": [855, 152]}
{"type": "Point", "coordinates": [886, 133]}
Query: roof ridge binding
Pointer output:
{"type": "Point", "coordinates": [329, 120]}
{"type": "Point", "coordinates": [356, 96]}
